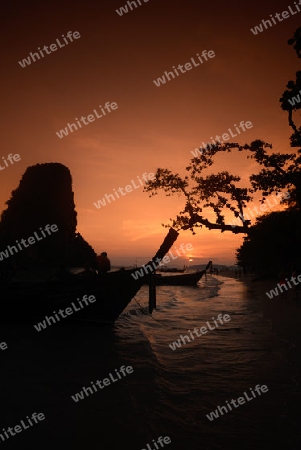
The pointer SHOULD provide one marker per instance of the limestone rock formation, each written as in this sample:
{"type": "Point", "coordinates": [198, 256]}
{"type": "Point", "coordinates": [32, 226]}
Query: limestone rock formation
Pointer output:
{"type": "Point", "coordinates": [44, 196]}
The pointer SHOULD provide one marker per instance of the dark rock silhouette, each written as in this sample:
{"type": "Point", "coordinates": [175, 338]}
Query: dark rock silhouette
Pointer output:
{"type": "Point", "coordinates": [44, 196]}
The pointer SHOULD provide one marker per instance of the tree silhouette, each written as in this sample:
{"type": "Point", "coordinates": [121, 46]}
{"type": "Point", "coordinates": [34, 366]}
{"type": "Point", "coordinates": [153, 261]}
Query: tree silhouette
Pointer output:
{"type": "Point", "coordinates": [272, 244]}
{"type": "Point", "coordinates": [293, 87]}
{"type": "Point", "coordinates": [220, 192]}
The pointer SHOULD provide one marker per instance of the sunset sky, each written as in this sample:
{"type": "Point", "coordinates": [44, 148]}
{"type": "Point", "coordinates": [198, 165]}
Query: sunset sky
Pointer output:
{"type": "Point", "coordinates": [116, 59]}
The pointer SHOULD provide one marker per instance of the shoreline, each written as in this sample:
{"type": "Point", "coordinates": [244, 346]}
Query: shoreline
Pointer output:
{"type": "Point", "coordinates": [284, 316]}
{"type": "Point", "coordinates": [284, 313]}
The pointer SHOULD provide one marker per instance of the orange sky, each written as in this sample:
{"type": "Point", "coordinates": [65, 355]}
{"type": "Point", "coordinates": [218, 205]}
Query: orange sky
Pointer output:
{"type": "Point", "coordinates": [116, 59]}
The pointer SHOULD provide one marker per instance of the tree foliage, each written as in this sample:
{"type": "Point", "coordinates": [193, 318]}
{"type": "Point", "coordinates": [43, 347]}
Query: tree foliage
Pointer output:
{"type": "Point", "coordinates": [293, 89]}
{"type": "Point", "coordinates": [272, 244]}
{"type": "Point", "coordinates": [222, 191]}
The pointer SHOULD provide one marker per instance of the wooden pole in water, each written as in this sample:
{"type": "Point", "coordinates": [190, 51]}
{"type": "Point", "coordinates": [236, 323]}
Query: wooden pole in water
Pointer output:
{"type": "Point", "coordinates": [166, 245]}
{"type": "Point", "coordinates": [152, 303]}
{"type": "Point", "coordinates": [154, 263]}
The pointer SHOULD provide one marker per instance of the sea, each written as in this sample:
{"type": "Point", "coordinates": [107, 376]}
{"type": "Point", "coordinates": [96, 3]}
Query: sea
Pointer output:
{"type": "Point", "coordinates": [169, 393]}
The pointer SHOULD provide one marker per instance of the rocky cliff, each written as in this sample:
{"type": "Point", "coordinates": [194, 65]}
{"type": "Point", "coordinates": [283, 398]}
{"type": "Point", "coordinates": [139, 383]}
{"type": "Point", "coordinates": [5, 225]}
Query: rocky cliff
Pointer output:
{"type": "Point", "coordinates": [44, 196]}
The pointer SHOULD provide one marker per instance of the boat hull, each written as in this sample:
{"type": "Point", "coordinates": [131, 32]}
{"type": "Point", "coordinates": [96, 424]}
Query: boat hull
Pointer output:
{"type": "Point", "coordinates": [186, 279]}
{"type": "Point", "coordinates": [32, 302]}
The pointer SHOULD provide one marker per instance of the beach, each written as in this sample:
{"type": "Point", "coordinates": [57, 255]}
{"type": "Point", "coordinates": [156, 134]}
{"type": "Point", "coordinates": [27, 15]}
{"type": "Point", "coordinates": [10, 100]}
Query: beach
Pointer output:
{"type": "Point", "coordinates": [170, 392]}
{"type": "Point", "coordinates": [284, 316]}
{"type": "Point", "coordinates": [283, 313]}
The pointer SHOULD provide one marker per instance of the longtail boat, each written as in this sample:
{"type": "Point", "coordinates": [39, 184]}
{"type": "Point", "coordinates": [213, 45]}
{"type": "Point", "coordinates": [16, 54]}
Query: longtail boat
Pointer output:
{"type": "Point", "coordinates": [185, 279]}
{"type": "Point", "coordinates": [30, 302]}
